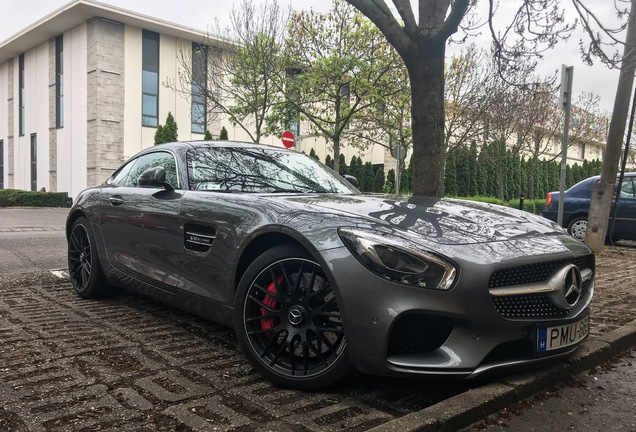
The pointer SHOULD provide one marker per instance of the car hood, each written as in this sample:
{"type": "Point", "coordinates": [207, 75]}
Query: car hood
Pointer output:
{"type": "Point", "coordinates": [444, 221]}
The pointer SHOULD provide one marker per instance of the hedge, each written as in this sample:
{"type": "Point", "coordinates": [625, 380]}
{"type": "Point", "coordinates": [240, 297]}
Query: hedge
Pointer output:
{"type": "Point", "coordinates": [21, 198]}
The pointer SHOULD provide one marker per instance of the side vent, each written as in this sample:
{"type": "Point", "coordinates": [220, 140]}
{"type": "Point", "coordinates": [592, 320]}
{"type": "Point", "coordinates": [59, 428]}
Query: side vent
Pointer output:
{"type": "Point", "coordinates": [199, 238]}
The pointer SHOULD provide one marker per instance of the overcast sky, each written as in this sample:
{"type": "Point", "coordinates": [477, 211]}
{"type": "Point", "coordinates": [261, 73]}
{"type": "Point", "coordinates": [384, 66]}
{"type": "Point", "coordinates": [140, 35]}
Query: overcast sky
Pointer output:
{"type": "Point", "coordinates": [18, 14]}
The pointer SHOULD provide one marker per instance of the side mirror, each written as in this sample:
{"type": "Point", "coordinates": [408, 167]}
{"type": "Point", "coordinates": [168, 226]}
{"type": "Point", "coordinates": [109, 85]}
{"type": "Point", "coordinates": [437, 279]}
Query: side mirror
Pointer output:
{"type": "Point", "coordinates": [154, 178]}
{"type": "Point", "coordinates": [351, 179]}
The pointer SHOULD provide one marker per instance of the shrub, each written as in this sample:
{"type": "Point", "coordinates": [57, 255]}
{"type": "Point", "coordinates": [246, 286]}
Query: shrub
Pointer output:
{"type": "Point", "coordinates": [21, 198]}
{"type": "Point", "coordinates": [530, 205]}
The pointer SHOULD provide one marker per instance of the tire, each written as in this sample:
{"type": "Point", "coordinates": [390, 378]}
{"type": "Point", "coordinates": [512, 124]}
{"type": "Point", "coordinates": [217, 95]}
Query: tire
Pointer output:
{"type": "Point", "coordinates": [288, 323]}
{"type": "Point", "coordinates": [84, 267]}
{"type": "Point", "coordinates": [577, 227]}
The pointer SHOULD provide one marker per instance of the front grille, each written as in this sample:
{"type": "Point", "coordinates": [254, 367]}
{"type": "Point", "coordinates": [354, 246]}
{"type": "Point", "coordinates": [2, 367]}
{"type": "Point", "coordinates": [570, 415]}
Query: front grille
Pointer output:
{"type": "Point", "coordinates": [537, 306]}
{"type": "Point", "coordinates": [417, 333]}
{"type": "Point", "coordinates": [528, 306]}
{"type": "Point", "coordinates": [537, 272]}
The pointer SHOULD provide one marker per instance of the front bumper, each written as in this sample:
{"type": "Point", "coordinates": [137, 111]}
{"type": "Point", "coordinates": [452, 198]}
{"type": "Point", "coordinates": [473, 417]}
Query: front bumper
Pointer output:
{"type": "Point", "coordinates": [460, 332]}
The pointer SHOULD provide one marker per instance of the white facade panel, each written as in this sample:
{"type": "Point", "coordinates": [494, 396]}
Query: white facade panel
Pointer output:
{"type": "Point", "coordinates": [71, 139]}
{"type": "Point", "coordinates": [35, 118]}
{"type": "Point", "coordinates": [133, 133]}
{"type": "Point", "coordinates": [4, 85]}
{"type": "Point", "coordinates": [4, 117]}
{"type": "Point", "coordinates": [38, 115]}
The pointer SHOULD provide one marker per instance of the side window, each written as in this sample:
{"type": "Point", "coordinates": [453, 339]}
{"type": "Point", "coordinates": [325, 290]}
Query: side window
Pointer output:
{"type": "Point", "coordinates": [627, 190]}
{"type": "Point", "coordinates": [152, 160]}
{"type": "Point", "coordinates": [119, 178]}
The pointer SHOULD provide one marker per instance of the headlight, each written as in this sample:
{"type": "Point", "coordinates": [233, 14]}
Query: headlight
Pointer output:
{"type": "Point", "coordinates": [397, 259]}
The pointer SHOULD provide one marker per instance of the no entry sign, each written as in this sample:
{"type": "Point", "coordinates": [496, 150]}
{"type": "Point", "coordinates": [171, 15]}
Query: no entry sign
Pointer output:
{"type": "Point", "coordinates": [288, 139]}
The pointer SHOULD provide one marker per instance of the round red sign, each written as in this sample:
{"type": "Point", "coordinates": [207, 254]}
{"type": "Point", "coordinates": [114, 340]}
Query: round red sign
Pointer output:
{"type": "Point", "coordinates": [288, 139]}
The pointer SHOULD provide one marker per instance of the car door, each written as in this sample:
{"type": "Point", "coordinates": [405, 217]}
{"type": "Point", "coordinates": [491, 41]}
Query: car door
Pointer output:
{"type": "Point", "coordinates": [140, 225]}
{"type": "Point", "coordinates": [625, 226]}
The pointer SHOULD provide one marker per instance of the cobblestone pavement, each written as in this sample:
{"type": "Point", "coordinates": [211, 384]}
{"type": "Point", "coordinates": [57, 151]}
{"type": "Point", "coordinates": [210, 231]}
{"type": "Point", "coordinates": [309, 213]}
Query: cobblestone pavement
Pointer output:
{"type": "Point", "coordinates": [133, 364]}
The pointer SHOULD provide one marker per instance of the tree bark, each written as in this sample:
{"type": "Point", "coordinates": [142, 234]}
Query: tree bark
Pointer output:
{"type": "Point", "coordinates": [601, 203]}
{"type": "Point", "coordinates": [426, 73]}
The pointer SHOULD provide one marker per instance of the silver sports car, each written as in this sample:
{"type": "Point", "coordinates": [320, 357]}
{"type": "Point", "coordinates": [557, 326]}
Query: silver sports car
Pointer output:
{"type": "Point", "coordinates": [317, 278]}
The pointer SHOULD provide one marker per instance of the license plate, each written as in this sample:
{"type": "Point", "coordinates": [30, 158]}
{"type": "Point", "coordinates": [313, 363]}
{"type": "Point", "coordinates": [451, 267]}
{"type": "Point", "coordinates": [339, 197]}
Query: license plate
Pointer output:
{"type": "Point", "coordinates": [552, 338]}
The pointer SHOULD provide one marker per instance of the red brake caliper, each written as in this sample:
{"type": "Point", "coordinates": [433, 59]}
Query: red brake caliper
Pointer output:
{"type": "Point", "coordinates": [270, 302]}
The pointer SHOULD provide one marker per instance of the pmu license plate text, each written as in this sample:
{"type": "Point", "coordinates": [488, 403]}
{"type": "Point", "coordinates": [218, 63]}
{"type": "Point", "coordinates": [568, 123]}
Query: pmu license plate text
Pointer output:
{"type": "Point", "coordinates": [556, 337]}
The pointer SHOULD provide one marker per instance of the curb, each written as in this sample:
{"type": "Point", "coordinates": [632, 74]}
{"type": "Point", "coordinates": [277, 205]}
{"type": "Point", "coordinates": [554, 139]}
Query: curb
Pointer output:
{"type": "Point", "coordinates": [468, 407]}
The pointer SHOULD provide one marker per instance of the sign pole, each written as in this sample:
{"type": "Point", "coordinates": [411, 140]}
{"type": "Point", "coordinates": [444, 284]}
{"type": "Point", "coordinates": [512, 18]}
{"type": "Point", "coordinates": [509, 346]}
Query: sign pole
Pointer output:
{"type": "Point", "coordinates": [565, 102]}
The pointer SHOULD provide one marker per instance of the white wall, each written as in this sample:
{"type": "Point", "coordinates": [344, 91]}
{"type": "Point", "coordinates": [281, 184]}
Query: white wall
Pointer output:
{"type": "Point", "coordinates": [72, 138]}
{"type": "Point", "coordinates": [36, 118]}
{"type": "Point", "coordinates": [4, 122]}
{"type": "Point", "coordinates": [136, 136]}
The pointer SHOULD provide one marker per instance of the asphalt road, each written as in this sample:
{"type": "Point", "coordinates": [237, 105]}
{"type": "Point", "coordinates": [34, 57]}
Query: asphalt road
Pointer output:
{"type": "Point", "coordinates": [32, 239]}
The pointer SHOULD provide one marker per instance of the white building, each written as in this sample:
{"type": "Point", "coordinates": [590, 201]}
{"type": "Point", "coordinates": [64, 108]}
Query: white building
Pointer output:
{"type": "Point", "coordinates": [83, 89]}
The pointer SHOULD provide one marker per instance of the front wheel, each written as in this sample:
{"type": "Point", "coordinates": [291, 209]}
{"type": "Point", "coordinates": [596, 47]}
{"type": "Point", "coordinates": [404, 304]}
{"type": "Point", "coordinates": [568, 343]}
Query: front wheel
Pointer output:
{"type": "Point", "coordinates": [84, 267]}
{"type": "Point", "coordinates": [578, 227]}
{"type": "Point", "coordinates": [287, 320]}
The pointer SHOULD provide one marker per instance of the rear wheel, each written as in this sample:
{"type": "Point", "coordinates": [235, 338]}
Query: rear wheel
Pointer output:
{"type": "Point", "coordinates": [578, 227]}
{"type": "Point", "coordinates": [288, 322]}
{"type": "Point", "coordinates": [84, 267]}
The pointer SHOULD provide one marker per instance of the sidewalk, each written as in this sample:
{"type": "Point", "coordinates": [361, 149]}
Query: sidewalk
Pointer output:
{"type": "Point", "coordinates": [613, 330]}
{"type": "Point", "coordinates": [12, 219]}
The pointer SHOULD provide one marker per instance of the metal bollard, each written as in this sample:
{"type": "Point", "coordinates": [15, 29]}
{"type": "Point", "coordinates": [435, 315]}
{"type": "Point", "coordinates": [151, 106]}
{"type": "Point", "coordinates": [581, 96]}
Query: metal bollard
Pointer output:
{"type": "Point", "coordinates": [521, 202]}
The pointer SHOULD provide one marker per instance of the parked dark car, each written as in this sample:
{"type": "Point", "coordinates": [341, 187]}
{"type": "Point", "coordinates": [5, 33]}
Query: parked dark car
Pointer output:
{"type": "Point", "coordinates": [577, 203]}
{"type": "Point", "coordinates": [316, 278]}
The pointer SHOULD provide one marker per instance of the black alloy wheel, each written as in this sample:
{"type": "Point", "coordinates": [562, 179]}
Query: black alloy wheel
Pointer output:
{"type": "Point", "coordinates": [288, 321]}
{"type": "Point", "coordinates": [84, 267]}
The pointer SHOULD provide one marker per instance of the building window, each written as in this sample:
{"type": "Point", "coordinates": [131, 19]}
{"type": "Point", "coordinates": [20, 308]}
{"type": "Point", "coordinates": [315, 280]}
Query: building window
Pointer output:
{"type": "Point", "coordinates": [34, 162]}
{"type": "Point", "coordinates": [582, 151]}
{"type": "Point", "coordinates": [21, 94]}
{"type": "Point", "coordinates": [150, 79]}
{"type": "Point", "coordinates": [59, 82]}
{"type": "Point", "coordinates": [1, 164]}
{"type": "Point", "coordinates": [199, 87]}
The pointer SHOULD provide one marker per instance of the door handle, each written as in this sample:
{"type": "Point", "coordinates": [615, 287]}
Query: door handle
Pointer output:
{"type": "Point", "coordinates": [116, 200]}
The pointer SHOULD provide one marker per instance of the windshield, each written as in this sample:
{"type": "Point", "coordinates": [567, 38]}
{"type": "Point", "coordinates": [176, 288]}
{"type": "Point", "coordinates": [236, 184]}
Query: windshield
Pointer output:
{"type": "Point", "coordinates": [260, 170]}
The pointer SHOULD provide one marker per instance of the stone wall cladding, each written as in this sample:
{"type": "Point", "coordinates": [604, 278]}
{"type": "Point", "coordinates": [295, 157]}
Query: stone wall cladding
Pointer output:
{"type": "Point", "coordinates": [10, 140]}
{"type": "Point", "coordinates": [105, 102]}
{"type": "Point", "coordinates": [52, 122]}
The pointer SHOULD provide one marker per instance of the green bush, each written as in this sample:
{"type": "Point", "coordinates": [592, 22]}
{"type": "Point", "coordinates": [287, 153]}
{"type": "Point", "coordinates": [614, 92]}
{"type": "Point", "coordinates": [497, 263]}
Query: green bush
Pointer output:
{"type": "Point", "coordinates": [483, 199]}
{"type": "Point", "coordinates": [21, 198]}
{"type": "Point", "coordinates": [533, 206]}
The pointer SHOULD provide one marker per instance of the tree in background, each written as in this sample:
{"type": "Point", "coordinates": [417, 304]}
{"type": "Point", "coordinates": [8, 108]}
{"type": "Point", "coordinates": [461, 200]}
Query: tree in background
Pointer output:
{"type": "Point", "coordinates": [468, 83]}
{"type": "Point", "coordinates": [389, 186]}
{"type": "Point", "coordinates": [388, 122]}
{"type": "Point", "coordinates": [342, 166]}
{"type": "Point", "coordinates": [421, 42]}
{"type": "Point", "coordinates": [207, 136]}
{"type": "Point", "coordinates": [238, 81]}
{"type": "Point", "coordinates": [223, 136]}
{"type": "Point", "coordinates": [378, 181]}
{"type": "Point", "coordinates": [312, 154]}
{"type": "Point", "coordinates": [546, 119]}
{"type": "Point", "coordinates": [338, 61]}
{"type": "Point", "coordinates": [168, 132]}
{"type": "Point", "coordinates": [329, 161]}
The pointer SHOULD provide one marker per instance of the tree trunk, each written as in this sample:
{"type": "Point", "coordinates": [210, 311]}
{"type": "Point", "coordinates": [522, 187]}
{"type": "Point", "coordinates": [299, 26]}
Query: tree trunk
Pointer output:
{"type": "Point", "coordinates": [532, 177]}
{"type": "Point", "coordinates": [336, 153]}
{"type": "Point", "coordinates": [426, 74]}
{"type": "Point", "coordinates": [602, 191]}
